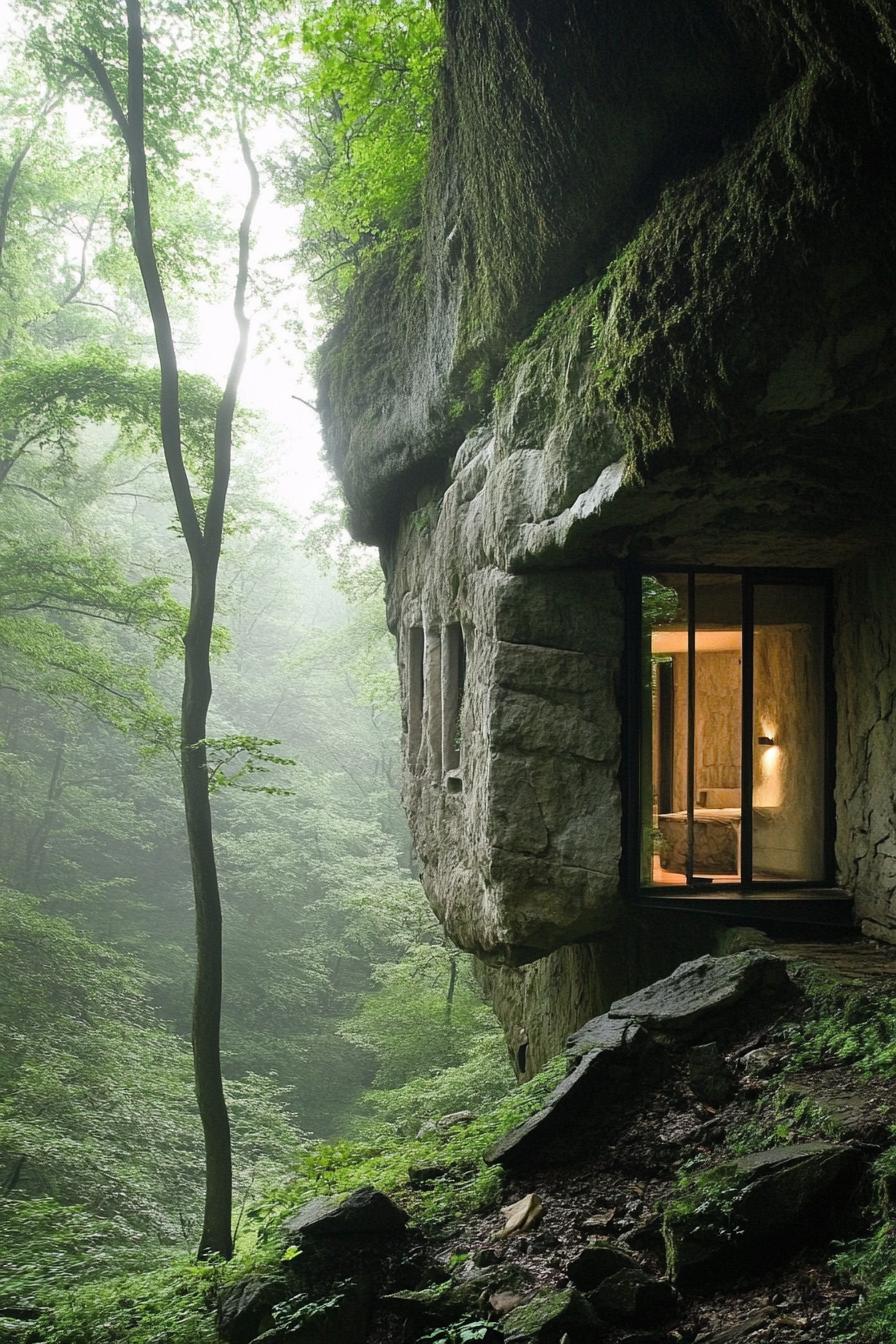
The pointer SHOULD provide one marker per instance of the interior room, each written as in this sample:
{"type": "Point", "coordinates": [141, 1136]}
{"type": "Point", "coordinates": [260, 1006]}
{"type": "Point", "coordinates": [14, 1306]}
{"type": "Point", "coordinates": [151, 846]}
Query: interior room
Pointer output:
{"type": "Point", "coordinates": [693, 734]}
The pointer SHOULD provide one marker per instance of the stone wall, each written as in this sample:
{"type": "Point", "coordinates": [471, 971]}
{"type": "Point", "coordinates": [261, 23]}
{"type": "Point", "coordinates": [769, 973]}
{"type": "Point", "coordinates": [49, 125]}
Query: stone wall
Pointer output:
{"type": "Point", "coordinates": [865, 661]}
{"type": "Point", "coordinates": [512, 786]}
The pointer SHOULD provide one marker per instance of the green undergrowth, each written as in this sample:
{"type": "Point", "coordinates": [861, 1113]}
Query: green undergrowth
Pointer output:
{"type": "Point", "coordinates": [854, 1023]}
{"type": "Point", "coordinates": [384, 1161]}
{"type": "Point", "coordinates": [711, 1193]}
{"type": "Point", "coordinates": [870, 1266]}
{"type": "Point", "coordinates": [175, 1305]}
{"type": "Point", "coordinates": [169, 1305]}
{"type": "Point", "coordinates": [844, 1022]}
{"type": "Point", "coordinates": [849, 1022]}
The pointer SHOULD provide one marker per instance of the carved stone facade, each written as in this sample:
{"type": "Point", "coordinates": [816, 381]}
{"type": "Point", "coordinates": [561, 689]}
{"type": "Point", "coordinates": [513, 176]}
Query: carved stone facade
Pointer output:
{"type": "Point", "coordinates": [722, 394]}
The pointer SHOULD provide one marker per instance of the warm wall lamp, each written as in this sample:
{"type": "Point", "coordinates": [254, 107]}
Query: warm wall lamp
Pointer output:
{"type": "Point", "coordinates": [766, 741]}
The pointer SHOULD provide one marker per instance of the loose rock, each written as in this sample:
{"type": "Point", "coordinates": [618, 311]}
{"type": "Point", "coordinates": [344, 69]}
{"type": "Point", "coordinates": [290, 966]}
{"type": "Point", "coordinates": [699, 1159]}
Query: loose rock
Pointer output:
{"type": "Point", "coordinates": [546, 1318]}
{"type": "Point", "coordinates": [522, 1216]}
{"type": "Point", "coordinates": [599, 1222]}
{"type": "Point", "coordinates": [635, 1297]}
{"type": "Point", "coordinates": [597, 1262]}
{"type": "Point", "coordinates": [363, 1212]}
{"type": "Point", "coordinates": [455, 1120]}
{"type": "Point", "coordinates": [602, 1072]}
{"type": "Point", "coordinates": [759, 1205]}
{"type": "Point", "coordinates": [709, 1076]}
{"type": "Point", "coordinates": [440, 1304]}
{"type": "Point", "coordinates": [244, 1308]}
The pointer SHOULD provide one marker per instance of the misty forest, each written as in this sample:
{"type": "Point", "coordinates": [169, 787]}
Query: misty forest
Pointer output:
{"type": "Point", "coordinates": [345, 1013]}
{"type": "Point", "coordinates": [273, 1065]}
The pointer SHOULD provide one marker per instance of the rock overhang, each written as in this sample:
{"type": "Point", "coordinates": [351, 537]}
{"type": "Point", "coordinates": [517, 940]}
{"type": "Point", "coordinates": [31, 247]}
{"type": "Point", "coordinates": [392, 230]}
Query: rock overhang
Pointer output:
{"type": "Point", "coordinates": [746, 306]}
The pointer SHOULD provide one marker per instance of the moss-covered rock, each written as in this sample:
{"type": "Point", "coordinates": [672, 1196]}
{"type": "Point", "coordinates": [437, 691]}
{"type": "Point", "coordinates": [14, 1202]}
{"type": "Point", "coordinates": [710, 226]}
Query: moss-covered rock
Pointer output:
{"type": "Point", "coordinates": [758, 1206]}
{"type": "Point", "coordinates": [439, 1304]}
{"type": "Point", "coordinates": [553, 127]}
{"type": "Point", "coordinates": [550, 1316]}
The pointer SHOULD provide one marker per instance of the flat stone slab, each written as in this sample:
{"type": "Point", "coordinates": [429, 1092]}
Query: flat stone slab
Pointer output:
{"type": "Point", "coordinates": [703, 990]}
{"type": "Point", "coordinates": [363, 1212]}
{"type": "Point", "coordinates": [600, 1073]}
{"type": "Point", "coordinates": [601, 1033]}
{"type": "Point", "coordinates": [440, 1304]}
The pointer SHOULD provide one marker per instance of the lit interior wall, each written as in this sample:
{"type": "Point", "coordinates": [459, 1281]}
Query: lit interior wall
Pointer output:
{"type": "Point", "coordinates": [788, 776]}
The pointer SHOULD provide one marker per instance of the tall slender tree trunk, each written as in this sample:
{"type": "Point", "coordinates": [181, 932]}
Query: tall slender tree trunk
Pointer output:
{"type": "Point", "coordinates": [208, 984]}
{"type": "Point", "coordinates": [203, 539]}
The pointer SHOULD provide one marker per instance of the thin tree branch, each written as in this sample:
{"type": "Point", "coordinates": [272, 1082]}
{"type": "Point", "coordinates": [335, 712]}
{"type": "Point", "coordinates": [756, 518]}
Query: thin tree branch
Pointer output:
{"type": "Point", "coordinates": [82, 276]}
{"type": "Point", "coordinates": [49, 104]}
{"type": "Point", "coordinates": [214, 514]}
{"type": "Point", "coordinates": [29, 490]}
{"type": "Point", "coordinates": [107, 90]}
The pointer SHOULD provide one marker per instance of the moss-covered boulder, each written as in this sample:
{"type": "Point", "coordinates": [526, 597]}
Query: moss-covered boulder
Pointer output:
{"type": "Point", "coordinates": [550, 1316]}
{"type": "Point", "coordinates": [764, 1205]}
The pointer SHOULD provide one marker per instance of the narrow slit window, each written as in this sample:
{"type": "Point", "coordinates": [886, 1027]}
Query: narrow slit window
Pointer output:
{"type": "Point", "coordinates": [414, 675]}
{"type": "Point", "coordinates": [454, 669]}
{"type": "Point", "coordinates": [432, 695]}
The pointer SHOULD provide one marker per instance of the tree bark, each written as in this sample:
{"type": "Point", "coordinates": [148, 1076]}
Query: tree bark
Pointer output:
{"type": "Point", "coordinates": [203, 540]}
{"type": "Point", "coordinates": [452, 982]}
{"type": "Point", "coordinates": [37, 845]}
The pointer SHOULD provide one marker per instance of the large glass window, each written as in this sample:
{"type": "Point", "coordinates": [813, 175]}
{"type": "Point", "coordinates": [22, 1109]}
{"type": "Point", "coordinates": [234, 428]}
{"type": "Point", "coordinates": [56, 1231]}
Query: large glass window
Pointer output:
{"type": "Point", "coordinates": [733, 721]}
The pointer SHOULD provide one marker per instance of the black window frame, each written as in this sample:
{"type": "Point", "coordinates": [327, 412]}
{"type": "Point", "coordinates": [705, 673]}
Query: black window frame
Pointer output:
{"type": "Point", "coordinates": [751, 577]}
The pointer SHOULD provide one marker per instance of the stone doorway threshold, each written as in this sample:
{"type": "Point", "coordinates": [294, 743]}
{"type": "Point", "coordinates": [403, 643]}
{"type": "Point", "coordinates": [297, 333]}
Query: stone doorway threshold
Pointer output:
{"type": "Point", "coordinates": [808, 906]}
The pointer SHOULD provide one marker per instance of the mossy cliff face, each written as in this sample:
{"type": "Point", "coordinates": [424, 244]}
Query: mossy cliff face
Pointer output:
{"type": "Point", "coordinates": [554, 127]}
{"type": "Point", "coordinates": [649, 311]}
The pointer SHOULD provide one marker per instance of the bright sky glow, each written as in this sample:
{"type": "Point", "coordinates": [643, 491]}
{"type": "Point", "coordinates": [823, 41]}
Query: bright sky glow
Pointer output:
{"type": "Point", "coordinates": [276, 373]}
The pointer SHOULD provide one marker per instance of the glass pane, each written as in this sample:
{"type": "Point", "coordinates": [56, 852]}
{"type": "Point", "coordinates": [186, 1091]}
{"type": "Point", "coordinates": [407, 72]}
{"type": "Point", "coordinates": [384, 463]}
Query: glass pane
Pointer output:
{"type": "Point", "coordinates": [717, 728]}
{"type": "Point", "coordinates": [663, 762]}
{"type": "Point", "coordinates": [788, 733]}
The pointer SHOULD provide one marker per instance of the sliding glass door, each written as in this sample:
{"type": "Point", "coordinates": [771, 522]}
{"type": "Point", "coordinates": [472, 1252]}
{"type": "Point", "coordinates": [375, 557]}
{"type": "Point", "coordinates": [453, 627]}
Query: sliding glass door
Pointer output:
{"type": "Point", "coordinates": [733, 724]}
